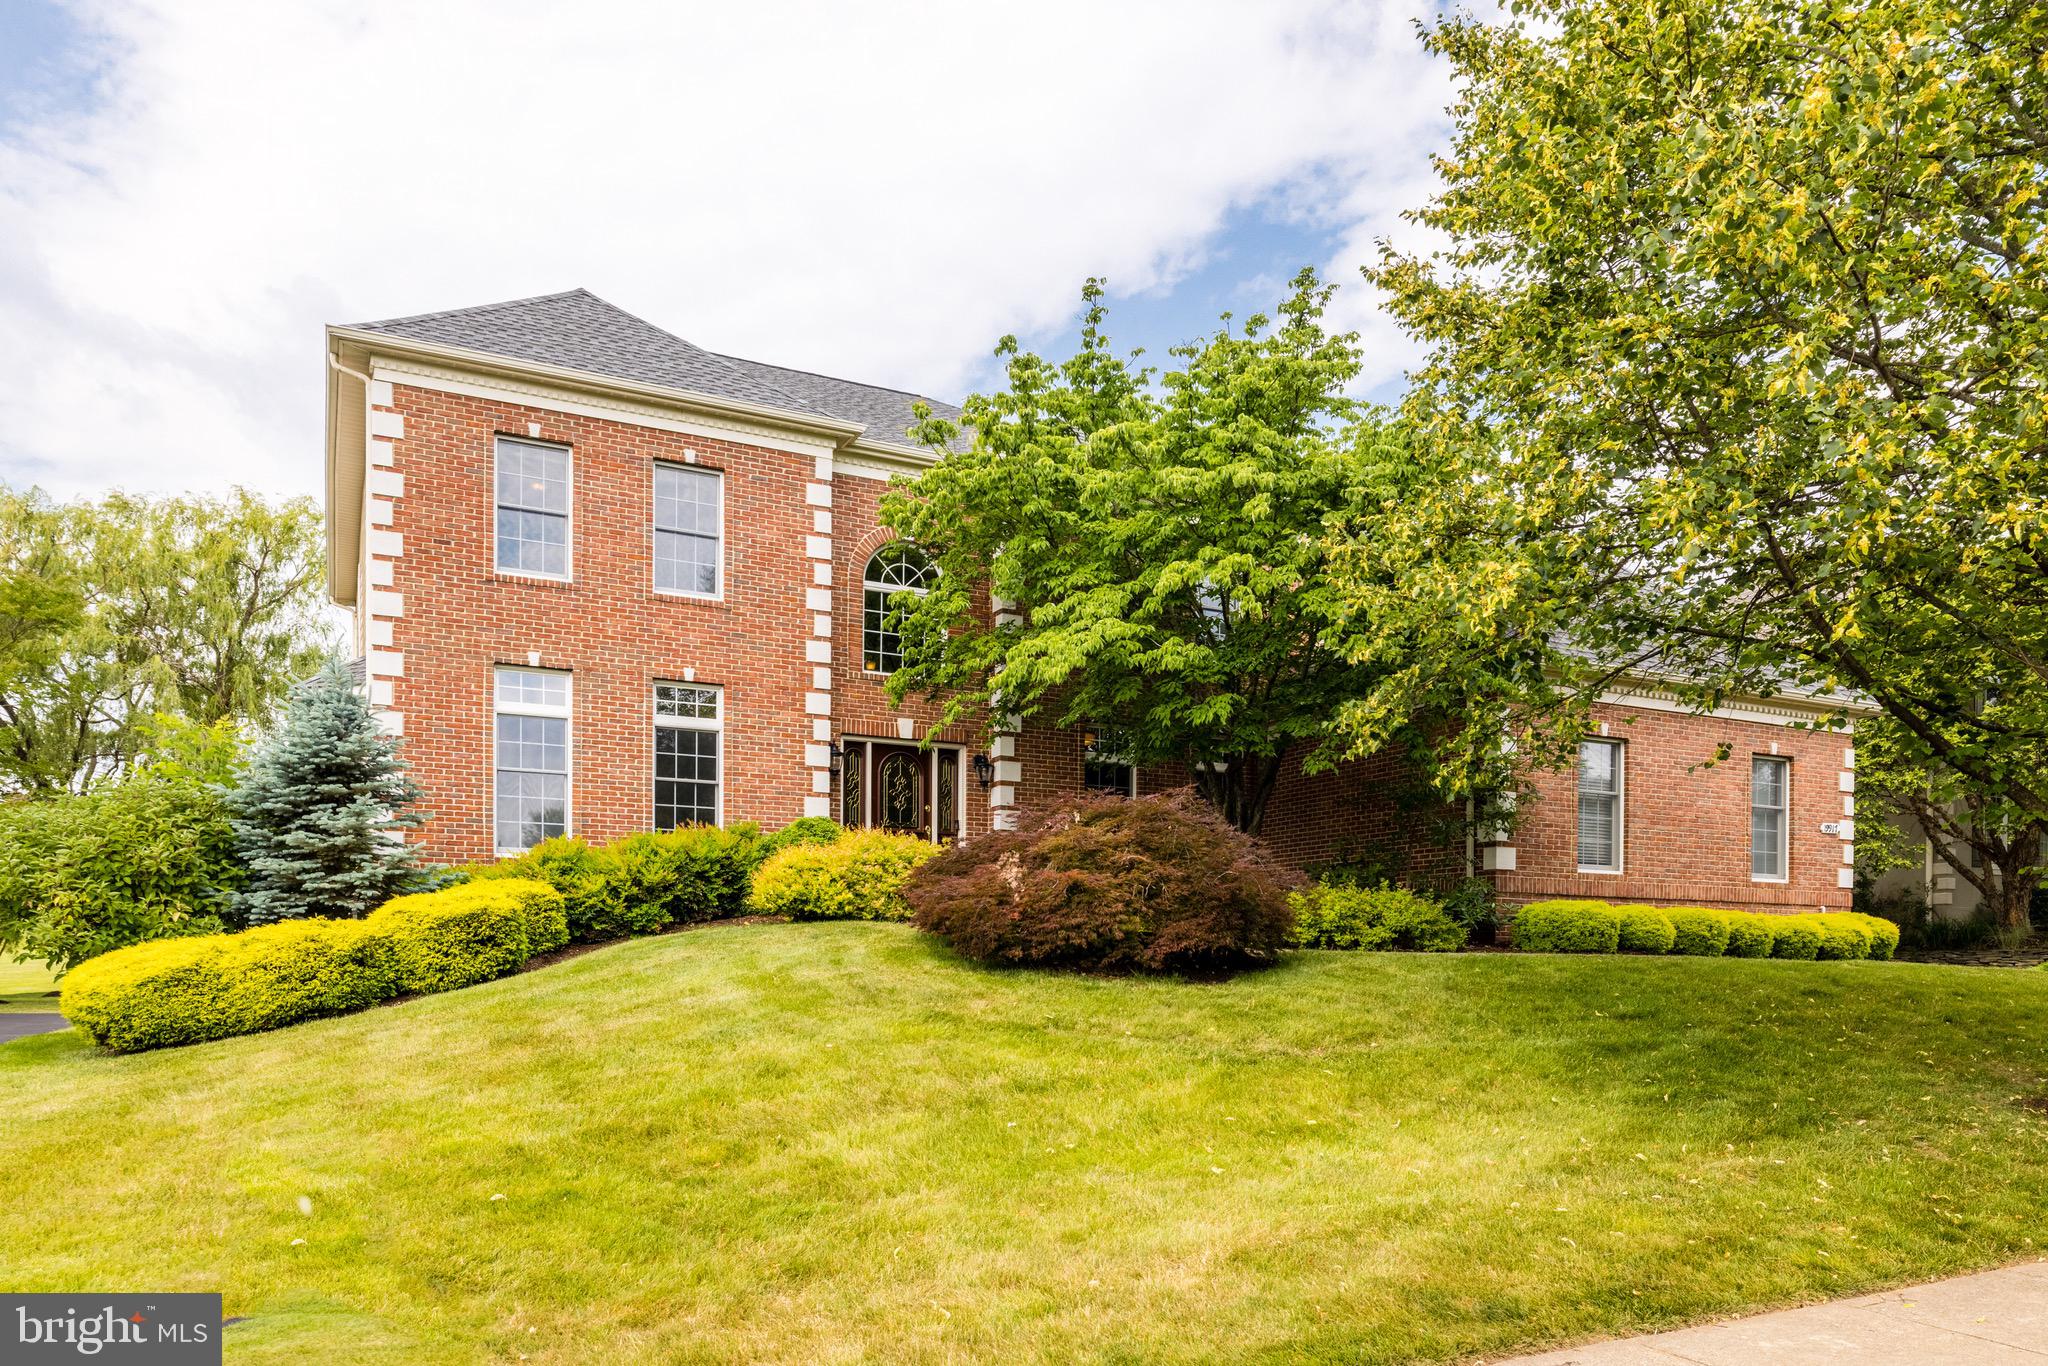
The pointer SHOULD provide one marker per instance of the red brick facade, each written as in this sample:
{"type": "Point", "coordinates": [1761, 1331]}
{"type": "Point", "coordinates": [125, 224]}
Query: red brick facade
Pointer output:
{"type": "Point", "coordinates": [783, 642]}
{"type": "Point", "coordinates": [1686, 821]}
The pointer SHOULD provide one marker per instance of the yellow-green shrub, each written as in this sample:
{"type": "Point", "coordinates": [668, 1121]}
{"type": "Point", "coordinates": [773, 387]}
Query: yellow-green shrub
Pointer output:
{"type": "Point", "coordinates": [175, 991]}
{"type": "Point", "coordinates": [1884, 934]}
{"type": "Point", "coordinates": [593, 885]}
{"type": "Point", "coordinates": [1698, 932]}
{"type": "Point", "coordinates": [179, 991]}
{"type": "Point", "coordinates": [1750, 935]}
{"type": "Point", "coordinates": [1840, 936]}
{"type": "Point", "coordinates": [1793, 936]}
{"type": "Point", "coordinates": [857, 877]}
{"type": "Point", "coordinates": [1644, 929]}
{"type": "Point", "coordinates": [1567, 927]}
{"type": "Point", "coordinates": [1340, 917]}
{"type": "Point", "coordinates": [469, 934]}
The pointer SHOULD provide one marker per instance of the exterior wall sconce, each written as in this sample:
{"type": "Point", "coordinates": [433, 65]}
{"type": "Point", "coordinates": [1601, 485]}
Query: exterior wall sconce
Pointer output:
{"type": "Point", "coordinates": [838, 759]}
{"type": "Point", "coordinates": [984, 771]}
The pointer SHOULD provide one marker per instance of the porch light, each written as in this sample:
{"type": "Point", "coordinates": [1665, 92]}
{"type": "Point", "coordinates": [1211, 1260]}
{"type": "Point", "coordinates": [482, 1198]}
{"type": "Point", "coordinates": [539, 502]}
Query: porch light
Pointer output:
{"type": "Point", "coordinates": [984, 771]}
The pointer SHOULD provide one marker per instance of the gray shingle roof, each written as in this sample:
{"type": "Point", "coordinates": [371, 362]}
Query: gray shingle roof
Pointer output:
{"type": "Point", "coordinates": [886, 413]}
{"type": "Point", "coordinates": [579, 331]}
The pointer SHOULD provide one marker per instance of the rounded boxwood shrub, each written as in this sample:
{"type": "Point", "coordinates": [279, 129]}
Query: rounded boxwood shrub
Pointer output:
{"type": "Point", "coordinates": [1644, 929]}
{"type": "Point", "coordinates": [857, 877]}
{"type": "Point", "coordinates": [1840, 936]}
{"type": "Point", "coordinates": [1383, 917]}
{"type": "Point", "coordinates": [1750, 935]}
{"type": "Point", "coordinates": [1154, 884]}
{"type": "Point", "coordinates": [1884, 934]}
{"type": "Point", "coordinates": [1698, 932]}
{"type": "Point", "coordinates": [1567, 927]}
{"type": "Point", "coordinates": [1793, 936]}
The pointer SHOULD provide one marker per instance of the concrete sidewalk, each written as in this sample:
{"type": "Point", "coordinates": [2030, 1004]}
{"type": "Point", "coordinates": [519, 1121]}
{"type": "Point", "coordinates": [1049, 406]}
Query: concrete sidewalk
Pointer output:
{"type": "Point", "coordinates": [1997, 1318]}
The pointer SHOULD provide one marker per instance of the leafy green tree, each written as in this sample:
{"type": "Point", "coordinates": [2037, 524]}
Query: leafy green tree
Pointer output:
{"type": "Point", "coordinates": [1157, 549]}
{"type": "Point", "coordinates": [115, 610]}
{"type": "Point", "coordinates": [320, 815]}
{"type": "Point", "coordinates": [145, 855]}
{"type": "Point", "coordinates": [1736, 362]}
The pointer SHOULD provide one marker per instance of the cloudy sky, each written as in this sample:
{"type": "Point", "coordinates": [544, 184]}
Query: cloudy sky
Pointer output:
{"type": "Point", "coordinates": [189, 189]}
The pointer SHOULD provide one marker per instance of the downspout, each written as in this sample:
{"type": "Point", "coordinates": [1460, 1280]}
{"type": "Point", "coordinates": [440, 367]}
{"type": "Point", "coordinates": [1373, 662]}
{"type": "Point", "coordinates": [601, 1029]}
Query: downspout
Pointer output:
{"type": "Point", "coordinates": [362, 641]}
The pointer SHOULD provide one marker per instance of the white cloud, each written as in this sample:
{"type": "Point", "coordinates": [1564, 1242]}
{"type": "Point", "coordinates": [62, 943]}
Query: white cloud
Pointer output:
{"type": "Point", "coordinates": [873, 190]}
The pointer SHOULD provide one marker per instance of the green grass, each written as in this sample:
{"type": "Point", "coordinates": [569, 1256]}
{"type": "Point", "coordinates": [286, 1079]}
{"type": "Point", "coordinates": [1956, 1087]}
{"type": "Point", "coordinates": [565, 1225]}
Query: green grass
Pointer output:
{"type": "Point", "coordinates": [836, 1143]}
{"type": "Point", "coordinates": [27, 986]}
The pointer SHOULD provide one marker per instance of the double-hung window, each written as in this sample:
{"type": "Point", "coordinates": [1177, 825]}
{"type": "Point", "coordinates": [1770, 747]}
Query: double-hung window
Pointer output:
{"type": "Point", "coordinates": [1106, 766]}
{"type": "Point", "coordinates": [533, 509]}
{"type": "Point", "coordinates": [689, 525]}
{"type": "Point", "coordinates": [687, 722]}
{"type": "Point", "coordinates": [1770, 790]}
{"type": "Point", "coordinates": [531, 762]}
{"type": "Point", "coordinates": [1600, 794]}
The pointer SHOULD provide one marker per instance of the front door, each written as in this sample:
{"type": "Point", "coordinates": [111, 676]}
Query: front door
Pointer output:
{"type": "Point", "coordinates": [902, 790]}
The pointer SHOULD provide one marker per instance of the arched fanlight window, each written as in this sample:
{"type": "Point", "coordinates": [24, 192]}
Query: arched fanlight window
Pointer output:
{"type": "Point", "coordinates": [895, 568]}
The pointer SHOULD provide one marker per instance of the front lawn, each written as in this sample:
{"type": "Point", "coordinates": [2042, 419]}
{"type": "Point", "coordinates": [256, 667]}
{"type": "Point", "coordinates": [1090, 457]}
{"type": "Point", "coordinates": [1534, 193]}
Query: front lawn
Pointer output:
{"type": "Point", "coordinates": [27, 986]}
{"type": "Point", "coordinates": [836, 1142]}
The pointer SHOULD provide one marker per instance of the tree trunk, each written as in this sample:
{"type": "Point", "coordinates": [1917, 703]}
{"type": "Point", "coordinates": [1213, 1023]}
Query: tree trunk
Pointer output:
{"type": "Point", "coordinates": [2014, 903]}
{"type": "Point", "coordinates": [1240, 789]}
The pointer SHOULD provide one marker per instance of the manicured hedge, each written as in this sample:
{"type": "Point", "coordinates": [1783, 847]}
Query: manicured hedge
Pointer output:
{"type": "Point", "coordinates": [1383, 917]}
{"type": "Point", "coordinates": [471, 933]}
{"type": "Point", "coordinates": [859, 876]}
{"type": "Point", "coordinates": [1568, 927]}
{"type": "Point", "coordinates": [592, 884]}
{"type": "Point", "coordinates": [1749, 934]}
{"type": "Point", "coordinates": [1645, 929]}
{"type": "Point", "coordinates": [179, 991]}
{"type": "Point", "coordinates": [644, 883]}
{"type": "Point", "coordinates": [1698, 932]}
{"type": "Point", "coordinates": [1597, 927]}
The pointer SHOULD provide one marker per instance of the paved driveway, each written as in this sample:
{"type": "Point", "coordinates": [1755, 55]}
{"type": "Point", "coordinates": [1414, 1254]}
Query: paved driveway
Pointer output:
{"type": "Point", "coordinates": [21, 1024]}
{"type": "Point", "coordinates": [1998, 1318]}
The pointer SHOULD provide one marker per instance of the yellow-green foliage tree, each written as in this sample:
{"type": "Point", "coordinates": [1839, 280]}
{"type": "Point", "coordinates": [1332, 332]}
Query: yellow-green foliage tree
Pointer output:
{"type": "Point", "coordinates": [1737, 369]}
{"type": "Point", "coordinates": [117, 610]}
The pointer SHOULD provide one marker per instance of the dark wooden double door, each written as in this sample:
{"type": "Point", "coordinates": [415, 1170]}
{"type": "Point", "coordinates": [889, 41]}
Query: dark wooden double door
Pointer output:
{"type": "Point", "coordinates": [902, 789]}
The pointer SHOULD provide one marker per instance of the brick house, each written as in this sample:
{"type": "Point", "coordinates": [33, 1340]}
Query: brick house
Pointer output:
{"type": "Point", "coordinates": [604, 580]}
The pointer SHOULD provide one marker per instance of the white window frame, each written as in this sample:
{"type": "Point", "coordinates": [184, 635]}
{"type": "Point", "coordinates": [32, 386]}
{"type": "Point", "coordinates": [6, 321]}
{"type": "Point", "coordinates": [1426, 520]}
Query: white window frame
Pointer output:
{"type": "Point", "coordinates": [868, 585]}
{"type": "Point", "coordinates": [568, 574]}
{"type": "Point", "coordinates": [654, 529]}
{"type": "Point", "coordinates": [1092, 749]}
{"type": "Point", "coordinates": [1620, 807]}
{"type": "Point", "coordinates": [715, 724]}
{"type": "Point", "coordinates": [1784, 818]}
{"type": "Point", "coordinates": [565, 713]}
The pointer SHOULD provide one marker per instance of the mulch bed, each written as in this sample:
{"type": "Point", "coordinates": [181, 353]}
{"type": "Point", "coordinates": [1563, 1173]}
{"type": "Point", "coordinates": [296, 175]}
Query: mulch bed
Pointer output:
{"type": "Point", "coordinates": [2031, 954]}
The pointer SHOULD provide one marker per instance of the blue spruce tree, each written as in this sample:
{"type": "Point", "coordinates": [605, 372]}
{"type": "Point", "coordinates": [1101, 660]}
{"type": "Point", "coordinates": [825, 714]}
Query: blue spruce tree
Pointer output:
{"type": "Point", "coordinates": [318, 814]}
